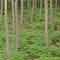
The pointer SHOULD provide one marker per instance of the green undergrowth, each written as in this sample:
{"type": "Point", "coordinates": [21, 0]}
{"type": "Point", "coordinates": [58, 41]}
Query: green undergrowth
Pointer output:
{"type": "Point", "coordinates": [32, 39]}
{"type": "Point", "coordinates": [30, 44]}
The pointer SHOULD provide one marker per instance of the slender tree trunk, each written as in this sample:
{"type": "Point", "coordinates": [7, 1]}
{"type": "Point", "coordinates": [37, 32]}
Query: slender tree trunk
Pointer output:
{"type": "Point", "coordinates": [7, 34]}
{"type": "Point", "coordinates": [35, 3]}
{"type": "Point", "coordinates": [17, 28]}
{"type": "Point", "coordinates": [1, 10]}
{"type": "Point", "coordinates": [33, 10]}
{"type": "Point", "coordinates": [13, 16]}
{"type": "Point", "coordinates": [56, 4]}
{"type": "Point", "coordinates": [28, 10]}
{"type": "Point", "coordinates": [21, 20]}
{"type": "Point", "coordinates": [46, 22]}
{"type": "Point", "coordinates": [51, 16]}
{"type": "Point", "coordinates": [40, 7]}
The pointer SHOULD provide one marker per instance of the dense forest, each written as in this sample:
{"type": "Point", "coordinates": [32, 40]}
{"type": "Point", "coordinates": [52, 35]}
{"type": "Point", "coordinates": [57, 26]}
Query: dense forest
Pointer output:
{"type": "Point", "coordinates": [29, 29]}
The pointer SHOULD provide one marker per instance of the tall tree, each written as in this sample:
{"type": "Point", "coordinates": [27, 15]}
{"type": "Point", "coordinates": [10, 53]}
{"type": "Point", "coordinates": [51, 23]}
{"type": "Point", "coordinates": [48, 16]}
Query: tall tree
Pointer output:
{"type": "Point", "coordinates": [35, 3]}
{"type": "Point", "coordinates": [21, 19]}
{"type": "Point", "coordinates": [28, 10]}
{"type": "Point", "coordinates": [13, 15]}
{"type": "Point", "coordinates": [46, 22]}
{"type": "Point", "coordinates": [51, 16]}
{"type": "Point", "coordinates": [56, 4]}
{"type": "Point", "coordinates": [1, 9]}
{"type": "Point", "coordinates": [40, 7]}
{"type": "Point", "coordinates": [33, 9]}
{"type": "Point", "coordinates": [17, 27]}
{"type": "Point", "coordinates": [7, 34]}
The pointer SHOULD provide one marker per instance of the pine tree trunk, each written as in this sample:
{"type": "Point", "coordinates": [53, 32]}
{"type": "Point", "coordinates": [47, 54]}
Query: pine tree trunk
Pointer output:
{"type": "Point", "coordinates": [33, 11]}
{"type": "Point", "coordinates": [7, 34]}
{"type": "Point", "coordinates": [21, 20]}
{"type": "Point", "coordinates": [1, 10]}
{"type": "Point", "coordinates": [46, 22]}
{"type": "Point", "coordinates": [56, 4]}
{"type": "Point", "coordinates": [17, 27]}
{"type": "Point", "coordinates": [40, 7]}
{"type": "Point", "coordinates": [13, 16]}
{"type": "Point", "coordinates": [51, 16]}
{"type": "Point", "coordinates": [35, 3]}
{"type": "Point", "coordinates": [28, 10]}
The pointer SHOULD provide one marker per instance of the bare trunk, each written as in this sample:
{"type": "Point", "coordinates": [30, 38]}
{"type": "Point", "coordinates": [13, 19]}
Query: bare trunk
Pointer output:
{"type": "Point", "coordinates": [33, 10]}
{"type": "Point", "coordinates": [51, 16]}
{"type": "Point", "coordinates": [7, 34]}
{"type": "Point", "coordinates": [1, 10]}
{"type": "Point", "coordinates": [40, 7]}
{"type": "Point", "coordinates": [35, 3]}
{"type": "Point", "coordinates": [46, 22]}
{"type": "Point", "coordinates": [17, 28]}
{"type": "Point", "coordinates": [56, 5]}
{"type": "Point", "coordinates": [13, 16]}
{"type": "Point", "coordinates": [28, 10]}
{"type": "Point", "coordinates": [21, 20]}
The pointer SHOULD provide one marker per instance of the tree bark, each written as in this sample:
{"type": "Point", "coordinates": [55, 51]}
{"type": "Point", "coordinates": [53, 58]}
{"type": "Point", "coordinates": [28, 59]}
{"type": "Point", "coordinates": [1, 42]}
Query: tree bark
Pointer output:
{"type": "Point", "coordinates": [7, 34]}
{"type": "Point", "coordinates": [21, 20]}
{"type": "Point", "coordinates": [46, 22]}
{"type": "Point", "coordinates": [33, 10]}
{"type": "Point", "coordinates": [17, 27]}
{"type": "Point", "coordinates": [56, 4]}
{"type": "Point", "coordinates": [35, 3]}
{"type": "Point", "coordinates": [28, 10]}
{"type": "Point", "coordinates": [51, 16]}
{"type": "Point", "coordinates": [1, 10]}
{"type": "Point", "coordinates": [40, 7]}
{"type": "Point", "coordinates": [13, 16]}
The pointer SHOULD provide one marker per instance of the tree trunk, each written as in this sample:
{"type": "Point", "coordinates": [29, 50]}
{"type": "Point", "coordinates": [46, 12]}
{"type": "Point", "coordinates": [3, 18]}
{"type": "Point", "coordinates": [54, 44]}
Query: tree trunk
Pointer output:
{"type": "Point", "coordinates": [1, 10]}
{"type": "Point", "coordinates": [21, 20]}
{"type": "Point", "coordinates": [56, 4]}
{"type": "Point", "coordinates": [46, 22]}
{"type": "Point", "coordinates": [7, 34]}
{"type": "Point", "coordinates": [35, 3]}
{"type": "Point", "coordinates": [40, 7]}
{"type": "Point", "coordinates": [17, 28]}
{"type": "Point", "coordinates": [13, 17]}
{"type": "Point", "coordinates": [33, 10]}
{"type": "Point", "coordinates": [28, 10]}
{"type": "Point", "coordinates": [51, 16]}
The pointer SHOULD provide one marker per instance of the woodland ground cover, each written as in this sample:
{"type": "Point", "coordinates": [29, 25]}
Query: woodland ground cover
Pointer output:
{"type": "Point", "coordinates": [32, 39]}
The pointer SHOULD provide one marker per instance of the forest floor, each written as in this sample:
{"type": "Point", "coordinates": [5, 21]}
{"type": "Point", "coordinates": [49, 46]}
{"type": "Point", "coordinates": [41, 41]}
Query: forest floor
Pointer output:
{"type": "Point", "coordinates": [32, 40]}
